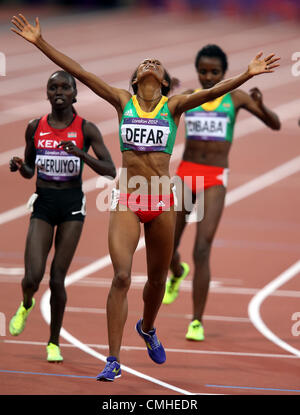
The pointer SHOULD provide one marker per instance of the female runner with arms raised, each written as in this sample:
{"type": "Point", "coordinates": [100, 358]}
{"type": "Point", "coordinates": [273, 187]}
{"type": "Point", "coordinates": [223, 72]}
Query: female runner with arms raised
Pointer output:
{"type": "Point", "coordinates": [147, 154]}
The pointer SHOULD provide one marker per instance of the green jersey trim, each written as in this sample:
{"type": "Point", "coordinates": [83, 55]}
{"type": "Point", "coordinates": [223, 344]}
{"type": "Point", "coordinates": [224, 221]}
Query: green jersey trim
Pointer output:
{"type": "Point", "coordinates": [213, 121]}
{"type": "Point", "coordinates": [147, 131]}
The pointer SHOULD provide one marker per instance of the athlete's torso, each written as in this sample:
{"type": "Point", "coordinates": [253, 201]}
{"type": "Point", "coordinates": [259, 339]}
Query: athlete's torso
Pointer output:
{"type": "Point", "coordinates": [54, 165]}
{"type": "Point", "coordinates": [146, 140]}
{"type": "Point", "coordinates": [209, 132]}
{"type": "Point", "coordinates": [147, 131]}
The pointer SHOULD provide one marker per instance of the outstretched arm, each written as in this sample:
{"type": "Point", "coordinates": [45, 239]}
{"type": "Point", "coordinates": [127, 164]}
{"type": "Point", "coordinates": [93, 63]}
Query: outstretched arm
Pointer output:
{"type": "Point", "coordinates": [256, 67]}
{"type": "Point", "coordinates": [254, 104]}
{"type": "Point", "coordinates": [115, 96]}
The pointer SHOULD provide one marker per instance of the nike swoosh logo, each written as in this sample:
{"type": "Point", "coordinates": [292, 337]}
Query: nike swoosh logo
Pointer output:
{"type": "Point", "coordinates": [116, 371]}
{"type": "Point", "coordinates": [45, 133]}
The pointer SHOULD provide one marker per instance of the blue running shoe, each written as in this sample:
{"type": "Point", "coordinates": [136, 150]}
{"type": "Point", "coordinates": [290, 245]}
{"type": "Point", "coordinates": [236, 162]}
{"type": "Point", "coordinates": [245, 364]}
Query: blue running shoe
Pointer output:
{"type": "Point", "coordinates": [154, 347]}
{"type": "Point", "coordinates": [111, 371]}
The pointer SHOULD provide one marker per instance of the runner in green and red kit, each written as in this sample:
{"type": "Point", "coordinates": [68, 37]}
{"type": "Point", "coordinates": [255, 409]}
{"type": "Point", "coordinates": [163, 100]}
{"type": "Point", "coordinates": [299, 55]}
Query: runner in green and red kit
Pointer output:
{"type": "Point", "coordinates": [209, 135]}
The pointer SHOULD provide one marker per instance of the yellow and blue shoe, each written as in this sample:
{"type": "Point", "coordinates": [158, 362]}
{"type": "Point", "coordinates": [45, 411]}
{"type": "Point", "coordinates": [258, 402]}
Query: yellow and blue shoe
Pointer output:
{"type": "Point", "coordinates": [111, 371]}
{"type": "Point", "coordinates": [53, 353]}
{"type": "Point", "coordinates": [18, 321]}
{"type": "Point", "coordinates": [195, 331]}
{"type": "Point", "coordinates": [172, 285]}
{"type": "Point", "coordinates": [155, 349]}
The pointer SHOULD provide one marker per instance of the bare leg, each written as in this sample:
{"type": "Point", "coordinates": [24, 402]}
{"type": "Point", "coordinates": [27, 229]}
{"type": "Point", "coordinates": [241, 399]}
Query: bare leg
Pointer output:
{"type": "Point", "coordinates": [180, 226]}
{"type": "Point", "coordinates": [124, 232]}
{"type": "Point", "coordinates": [38, 244]}
{"type": "Point", "coordinates": [66, 241]}
{"type": "Point", "coordinates": [159, 236]}
{"type": "Point", "coordinates": [181, 216]}
{"type": "Point", "coordinates": [213, 207]}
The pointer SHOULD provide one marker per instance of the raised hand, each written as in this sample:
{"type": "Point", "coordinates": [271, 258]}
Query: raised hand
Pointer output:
{"type": "Point", "coordinates": [258, 66]}
{"type": "Point", "coordinates": [25, 29]}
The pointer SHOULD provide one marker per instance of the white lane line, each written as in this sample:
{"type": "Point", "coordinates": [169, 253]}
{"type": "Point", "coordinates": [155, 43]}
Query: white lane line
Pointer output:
{"type": "Point", "coordinates": [252, 291]}
{"type": "Point", "coordinates": [89, 51]}
{"type": "Point", "coordinates": [87, 97]}
{"type": "Point", "coordinates": [101, 357]}
{"type": "Point", "coordinates": [258, 299]}
{"type": "Point", "coordinates": [67, 336]}
{"type": "Point", "coordinates": [33, 59]}
{"type": "Point", "coordinates": [11, 271]}
{"type": "Point", "coordinates": [169, 350]}
{"type": "Point", "coordinates": [265, 180]}
{"type": "Point", "coordinates": [227, 319]}
{"type": "Point", "coordinates": [90, 351]}
{"type": "Point", "coordinates": [105, 261]}
{"type": "Point", "coordinates": [5, 156]}
{"type": "Point", "coordinates": [285, 111]}
{"type": "Point", "coordinates": [243, 128]}
{"type": "Point", "coordinates": [13, 214]}
{"type": "Point", "coordinates": [105, 66]}
{"type": "Point", "coordinates": [260, 182]}
{"type": "Point", "coordinates": [184, 72]}
{"type": "Point", "coordinates": [45, 310]}
{"type": "Point", "coordinates": [11, 277]}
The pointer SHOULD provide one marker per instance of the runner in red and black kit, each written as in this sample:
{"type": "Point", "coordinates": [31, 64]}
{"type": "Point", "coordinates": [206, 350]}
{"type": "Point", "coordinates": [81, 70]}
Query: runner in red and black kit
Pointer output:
{"type": "Point", "coordinates": [57, 144]}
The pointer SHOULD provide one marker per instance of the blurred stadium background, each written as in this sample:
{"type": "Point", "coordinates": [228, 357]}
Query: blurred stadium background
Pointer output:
{"type": "Point", "coordinates": [260, 9]}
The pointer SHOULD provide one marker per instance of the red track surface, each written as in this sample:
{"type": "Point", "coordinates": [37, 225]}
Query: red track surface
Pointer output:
{"type": "Point", "coordinates": [257, 240]}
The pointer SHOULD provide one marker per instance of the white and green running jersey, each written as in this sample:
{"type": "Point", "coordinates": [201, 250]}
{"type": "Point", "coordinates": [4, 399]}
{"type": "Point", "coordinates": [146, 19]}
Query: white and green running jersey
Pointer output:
{"type": "Point", "coordinates": [147, 131]}
{"type": "Point", "coordinates": [211, 121]}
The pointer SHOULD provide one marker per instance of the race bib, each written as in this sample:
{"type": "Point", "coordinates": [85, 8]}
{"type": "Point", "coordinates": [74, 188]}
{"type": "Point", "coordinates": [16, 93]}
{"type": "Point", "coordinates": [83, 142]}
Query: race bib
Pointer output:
{"type": "Point", "coordinates": [57, 165]}
{"type": "Point", "coordinates": [206, 126]}
{"type": "Point", "coordinates": [145, 134]}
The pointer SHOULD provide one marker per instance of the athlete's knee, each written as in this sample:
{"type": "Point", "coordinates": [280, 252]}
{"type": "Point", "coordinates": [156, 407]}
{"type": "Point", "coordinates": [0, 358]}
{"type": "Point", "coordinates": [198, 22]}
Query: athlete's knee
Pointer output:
{"type": "Point", "coordinates": [122, 280]}
{"type": "Point", "coordinates": [57, 285]}
{"type": "Point", "coordinates": [202, 250]}
{"type": "Point", "coordinates": [31, 282]}
{"type": "Point", "coordinates": [157, 278]}
{"type": "Point", "coordinates": [157, 284]}
{"type": "Point", "coordinates": [57, 274]}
